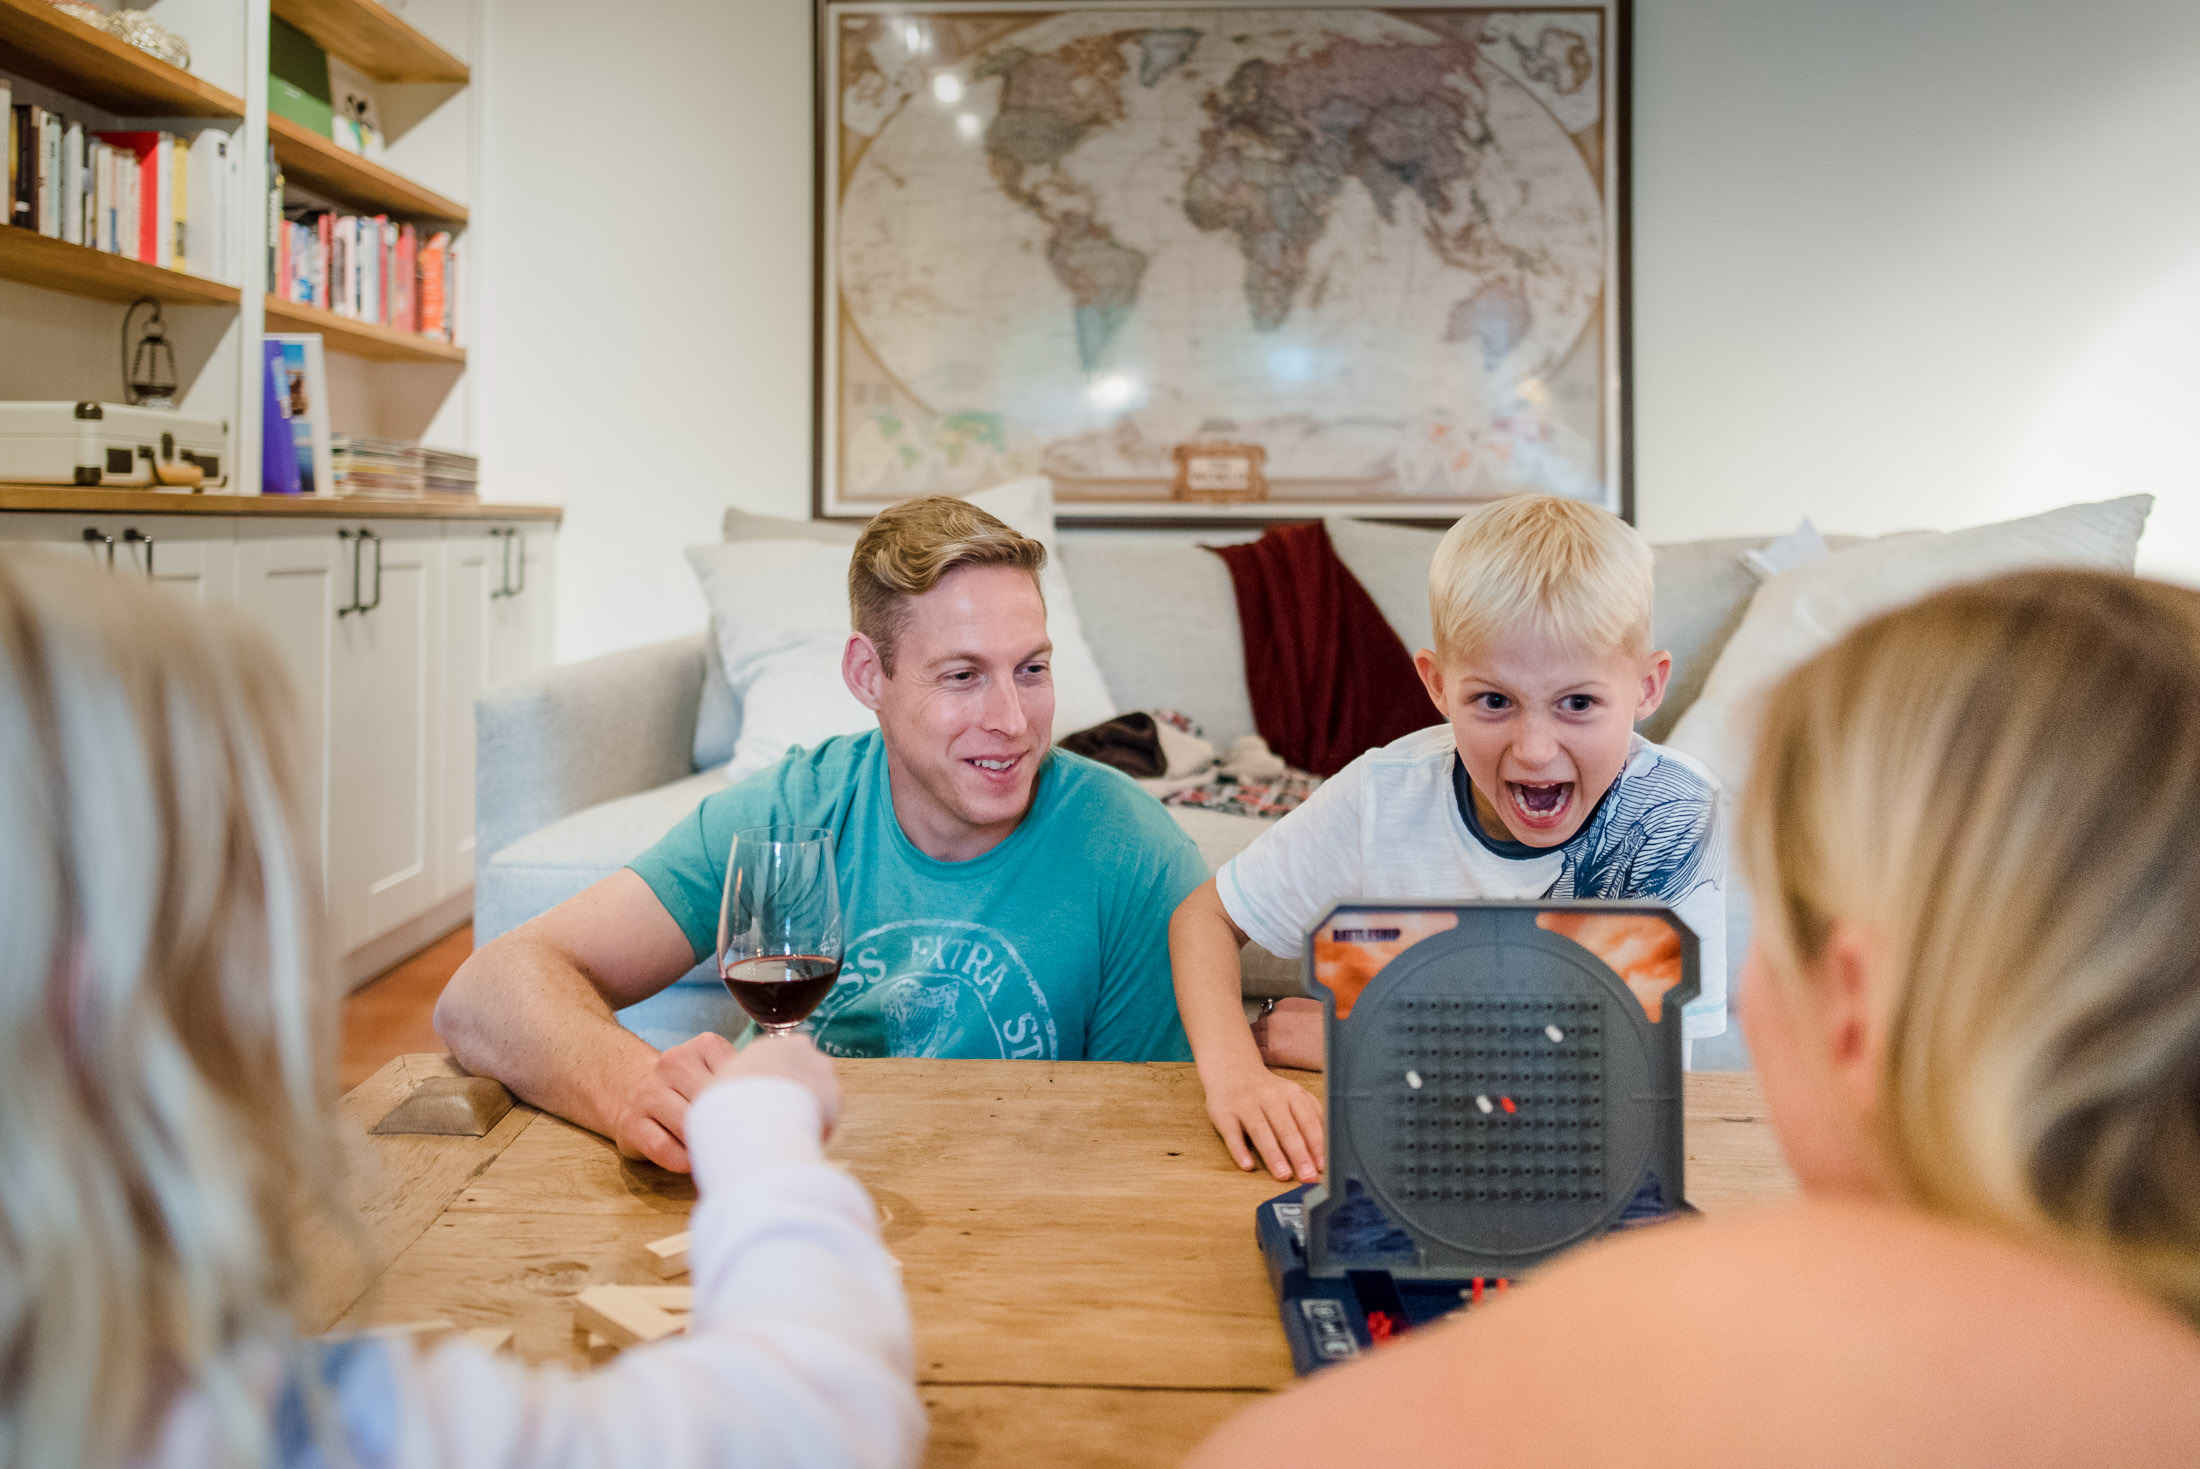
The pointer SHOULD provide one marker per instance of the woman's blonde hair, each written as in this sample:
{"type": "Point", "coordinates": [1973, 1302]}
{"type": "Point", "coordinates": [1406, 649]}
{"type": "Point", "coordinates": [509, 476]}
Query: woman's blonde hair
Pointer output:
{"type": "Point", "coordinates": [906, 550]}
{"type": "Point", "coordinates": [166, 1029]}
{"type": "Point", "coordinates": [2002, 783]}
{"type": "Point", "coordinates": [1544, 564]}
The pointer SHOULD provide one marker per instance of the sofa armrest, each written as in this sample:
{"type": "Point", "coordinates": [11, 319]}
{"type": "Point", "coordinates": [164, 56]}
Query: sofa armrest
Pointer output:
{"type": "Point", "coordinates": [566, 738]}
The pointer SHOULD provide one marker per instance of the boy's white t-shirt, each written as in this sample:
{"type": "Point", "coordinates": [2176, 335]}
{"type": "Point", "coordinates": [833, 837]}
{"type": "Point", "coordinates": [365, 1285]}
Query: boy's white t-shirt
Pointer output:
{"type": "Point", "coordinates": [1389, 825]}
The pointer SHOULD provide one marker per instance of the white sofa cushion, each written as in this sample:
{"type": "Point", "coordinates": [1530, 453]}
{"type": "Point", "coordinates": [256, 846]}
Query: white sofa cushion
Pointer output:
{"type": "Point", "coordinates": [1799, 612]}
{"type": "Point", "coordinates": [778, 596]}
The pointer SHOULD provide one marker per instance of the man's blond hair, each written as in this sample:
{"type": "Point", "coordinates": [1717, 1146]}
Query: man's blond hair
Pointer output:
{"type": "Point", "coordinates": [1544, 564]}
{"type": "Point", "coordinates": [908, 548]}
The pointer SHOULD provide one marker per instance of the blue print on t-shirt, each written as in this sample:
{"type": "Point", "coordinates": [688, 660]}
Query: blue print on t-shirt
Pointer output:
{"type": "Point", "coordinates": [1654, 836]}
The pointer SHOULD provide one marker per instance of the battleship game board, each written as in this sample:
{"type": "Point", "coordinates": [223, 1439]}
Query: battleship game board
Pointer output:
{"type": "Point", "coordinates": [1504, 1083]}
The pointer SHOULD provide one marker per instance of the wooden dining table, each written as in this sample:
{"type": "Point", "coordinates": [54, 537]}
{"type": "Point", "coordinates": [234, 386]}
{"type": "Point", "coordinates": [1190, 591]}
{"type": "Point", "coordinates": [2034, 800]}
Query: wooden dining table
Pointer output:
{"type": "Point", "coordinates": [1077, 1246]}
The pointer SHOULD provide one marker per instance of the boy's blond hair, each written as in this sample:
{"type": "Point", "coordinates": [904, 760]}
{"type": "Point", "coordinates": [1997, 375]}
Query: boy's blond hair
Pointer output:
{"type": "Point", "coordinates": [1541, 563]}
{"type": "Point", "coordinates": [2002, 783]}
{"type": "Point", "coordinates": [908, 548]}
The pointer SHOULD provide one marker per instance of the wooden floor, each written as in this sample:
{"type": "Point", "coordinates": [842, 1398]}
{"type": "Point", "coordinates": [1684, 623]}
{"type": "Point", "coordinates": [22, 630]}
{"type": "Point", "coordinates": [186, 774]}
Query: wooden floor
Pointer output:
{"type": "Point", "coordinates": [392, 1014]}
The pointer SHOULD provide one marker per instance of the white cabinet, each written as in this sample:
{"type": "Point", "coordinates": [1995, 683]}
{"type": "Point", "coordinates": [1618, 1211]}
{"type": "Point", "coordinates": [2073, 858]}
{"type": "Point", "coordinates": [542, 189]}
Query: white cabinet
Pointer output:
{"type": "Point", "coordinates": [497, 582]}
{"type": "Point", "coordinates": [194, 556]}
{"type": "Point", "coordinates": [292, 580]}
{"type": "Point", "coordinates": [387, 630]}
{"type": "Point", "coordinates": [384, 703]}
{"type": "Point", "coordinates": [471, 572]}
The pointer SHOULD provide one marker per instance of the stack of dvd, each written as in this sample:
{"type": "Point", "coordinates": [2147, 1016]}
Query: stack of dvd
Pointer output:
{"type": "Point", "coordinates": [385, 469]}
{"type": "Point", "coordinates": [448, 473]}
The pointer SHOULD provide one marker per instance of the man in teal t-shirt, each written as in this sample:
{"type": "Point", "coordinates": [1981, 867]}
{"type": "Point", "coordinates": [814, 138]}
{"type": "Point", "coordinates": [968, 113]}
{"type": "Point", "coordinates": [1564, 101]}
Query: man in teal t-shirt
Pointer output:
{"type": "Point", "coordinates": [1004, 899]}
{"type": "Point", "coordinates": [1045, 946]}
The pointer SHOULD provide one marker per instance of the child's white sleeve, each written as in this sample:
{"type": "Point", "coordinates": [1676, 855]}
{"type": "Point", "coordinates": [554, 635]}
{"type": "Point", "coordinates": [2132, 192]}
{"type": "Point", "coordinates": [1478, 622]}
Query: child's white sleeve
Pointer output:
{"type": "Point", "coordinates": [1294, 871]}
{"type": "Point", "coordinates": [798, 1351]}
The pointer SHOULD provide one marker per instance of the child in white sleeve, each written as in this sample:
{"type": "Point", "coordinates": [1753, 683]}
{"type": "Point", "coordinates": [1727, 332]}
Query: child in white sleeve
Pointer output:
{"type": "Point", "coordinates": [168, 1128]}
{"type": "Point", "coordinates": [1536, 786]}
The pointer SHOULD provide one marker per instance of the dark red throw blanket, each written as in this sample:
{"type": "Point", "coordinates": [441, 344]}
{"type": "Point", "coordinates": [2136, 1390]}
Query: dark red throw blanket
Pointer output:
{"type": "Point", "coordinates": [1329, 678]}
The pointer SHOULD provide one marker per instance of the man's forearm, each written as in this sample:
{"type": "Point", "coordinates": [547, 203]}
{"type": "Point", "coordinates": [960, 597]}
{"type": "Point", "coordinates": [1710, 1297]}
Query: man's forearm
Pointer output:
{"type": "Point", "coordinates": [520, 1011]}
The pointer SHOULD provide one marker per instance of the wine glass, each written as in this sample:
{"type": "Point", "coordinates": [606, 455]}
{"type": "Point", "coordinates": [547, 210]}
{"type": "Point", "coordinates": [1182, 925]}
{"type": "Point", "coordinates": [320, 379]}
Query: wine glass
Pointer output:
{"type": "Point", "coordinates": [779, 927]}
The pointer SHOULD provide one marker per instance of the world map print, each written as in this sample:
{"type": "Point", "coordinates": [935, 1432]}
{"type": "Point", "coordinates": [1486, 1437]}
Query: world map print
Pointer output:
{"type": "Point", "coordinates": [1376, 243]}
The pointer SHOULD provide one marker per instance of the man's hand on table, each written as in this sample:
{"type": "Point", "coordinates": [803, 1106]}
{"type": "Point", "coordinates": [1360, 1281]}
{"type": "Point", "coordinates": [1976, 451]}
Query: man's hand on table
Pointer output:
{"type": "Point", "coordinates": [1291, 1034]}
{"type": "Point", "coordinates": [1276, 1115]}
{"type": "Point", "coordinates": [652, 1122]}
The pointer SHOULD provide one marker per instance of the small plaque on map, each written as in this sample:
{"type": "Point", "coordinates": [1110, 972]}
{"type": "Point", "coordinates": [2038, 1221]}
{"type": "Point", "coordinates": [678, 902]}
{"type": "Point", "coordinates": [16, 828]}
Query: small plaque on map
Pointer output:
{"type": "Point", "coordinates": [1223, 473]}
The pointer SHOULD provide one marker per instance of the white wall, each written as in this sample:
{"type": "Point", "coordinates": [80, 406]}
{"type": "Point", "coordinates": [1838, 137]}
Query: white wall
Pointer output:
{"type": "Point", "coordinates": [1897, 263]}
{"type": "Point", "coordinates": [644, 252]}
{"type": "Point", "coordinates": [1916, 262]}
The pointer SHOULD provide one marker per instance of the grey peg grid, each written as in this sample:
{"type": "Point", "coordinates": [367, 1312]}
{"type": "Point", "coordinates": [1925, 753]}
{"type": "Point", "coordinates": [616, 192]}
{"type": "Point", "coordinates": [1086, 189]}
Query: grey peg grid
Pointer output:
{"type": "Point", "coordinates": [1498, 1092]}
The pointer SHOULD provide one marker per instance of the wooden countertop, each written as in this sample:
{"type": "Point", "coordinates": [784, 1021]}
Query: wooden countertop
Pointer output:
{"type": "Point", "coordinates": [1077, 1247]}
{"type": "Point", "coordinates": [301, 507]}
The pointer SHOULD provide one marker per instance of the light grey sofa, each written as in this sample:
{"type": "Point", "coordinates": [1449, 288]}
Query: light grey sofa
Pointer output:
{"type": "Point", "coordinates": [582, 766]}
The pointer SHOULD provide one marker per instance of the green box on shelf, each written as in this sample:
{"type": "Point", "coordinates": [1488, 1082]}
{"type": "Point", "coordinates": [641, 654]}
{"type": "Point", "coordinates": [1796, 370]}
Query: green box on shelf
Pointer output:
{"type": "Point", "coordinates": [297, 78]}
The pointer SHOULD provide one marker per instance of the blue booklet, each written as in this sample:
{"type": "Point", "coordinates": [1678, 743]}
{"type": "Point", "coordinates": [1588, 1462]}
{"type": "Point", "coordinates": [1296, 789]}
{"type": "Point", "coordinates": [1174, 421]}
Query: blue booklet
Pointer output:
{"type": "Point", "coordinates": [278, 450]}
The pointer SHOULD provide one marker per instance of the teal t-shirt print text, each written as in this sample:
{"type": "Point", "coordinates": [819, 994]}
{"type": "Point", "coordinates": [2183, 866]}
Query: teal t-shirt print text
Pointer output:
{"type": "Point", "coordinates": [1053, 945]}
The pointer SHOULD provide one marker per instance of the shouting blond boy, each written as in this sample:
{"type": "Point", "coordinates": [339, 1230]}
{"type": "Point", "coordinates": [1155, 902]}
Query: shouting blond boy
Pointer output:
{"type": "Point", "coordinates": [1535, 786]}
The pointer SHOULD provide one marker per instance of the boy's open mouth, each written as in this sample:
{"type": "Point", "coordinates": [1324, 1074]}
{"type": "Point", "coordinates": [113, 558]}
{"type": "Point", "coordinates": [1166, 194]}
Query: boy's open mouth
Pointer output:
{"type": "Point", "coordinates": [1542, 806]}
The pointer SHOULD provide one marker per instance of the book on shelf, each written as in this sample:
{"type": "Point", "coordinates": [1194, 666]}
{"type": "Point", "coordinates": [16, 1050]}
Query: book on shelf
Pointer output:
{"type": "Point", "coordinates": [302, 378]}
{"type": "Point", "coordinates": [147, 194]}
{"type": "Point", "coordinates": [371, 269]}
{"type": "Point", "coordinates": [298, 77]}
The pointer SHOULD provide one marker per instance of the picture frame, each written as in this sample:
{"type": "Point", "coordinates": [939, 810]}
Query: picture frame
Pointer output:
{"type": "Point", "coordinates": [1386, 246]}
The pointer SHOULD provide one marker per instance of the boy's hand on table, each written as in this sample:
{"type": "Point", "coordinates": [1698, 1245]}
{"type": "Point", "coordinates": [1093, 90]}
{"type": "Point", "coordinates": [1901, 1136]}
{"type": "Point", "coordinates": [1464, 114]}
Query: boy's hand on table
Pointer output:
{"type": "Point", "coordinates": [652, 1121]}
{"type": "Point", "coordinates": [1277, 1116]}
{"type": "Point", "coordinates": [1291, 1034]}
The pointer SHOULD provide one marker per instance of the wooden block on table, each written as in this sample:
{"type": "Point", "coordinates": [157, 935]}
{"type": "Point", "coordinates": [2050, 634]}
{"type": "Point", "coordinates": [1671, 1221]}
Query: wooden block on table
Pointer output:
{"type": "Point", "coordinates": [677, 1299]}
{"type": "Point", "coordinates": [449, 1106]}
{"type": "Point", "coordinates": [491, 1339]}
{"type": "Point", "coordinates": [623, 1317]}
{"type": "Point", "coordinates": [669, 1256]}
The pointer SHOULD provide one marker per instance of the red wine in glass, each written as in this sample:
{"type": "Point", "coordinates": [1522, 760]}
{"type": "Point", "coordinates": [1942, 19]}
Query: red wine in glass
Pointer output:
{"type": "Point", "coordinates": [779, 928]}
{"type": "Point", "coordinates": [780, 990]}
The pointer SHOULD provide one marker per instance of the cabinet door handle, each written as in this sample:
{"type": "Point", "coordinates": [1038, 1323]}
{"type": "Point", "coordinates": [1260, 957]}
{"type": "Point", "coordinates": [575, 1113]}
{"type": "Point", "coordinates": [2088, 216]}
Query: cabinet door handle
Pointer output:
{"type": "Point", "coordinates": [93, 540]}
{"type": "Point", "coordinates": [356, 545]}
{"type": "Point", "coordinates": [134, 537]}
{"type": "Point", "coordinates": [368, 535]}
{"type": "Point", "coordinates": [510, 543]}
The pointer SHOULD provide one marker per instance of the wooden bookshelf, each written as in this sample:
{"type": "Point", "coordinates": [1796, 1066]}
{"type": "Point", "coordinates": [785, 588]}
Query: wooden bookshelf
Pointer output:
{"type": "Point", "coordinates": [34, 259]}
{"type": "Point", "coordinates": [317, 163]}
{"type": "Point", "coordinates": [361, 339]}
{"type": "Point", "coordinates": [375, 40]}
{"type": "Point", "coordinates": [54, 47]}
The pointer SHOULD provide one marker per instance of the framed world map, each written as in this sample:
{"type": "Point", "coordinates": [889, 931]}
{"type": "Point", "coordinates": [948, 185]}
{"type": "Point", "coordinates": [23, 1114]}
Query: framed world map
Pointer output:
{"type": "Point", "coordinates": [1222, 261]}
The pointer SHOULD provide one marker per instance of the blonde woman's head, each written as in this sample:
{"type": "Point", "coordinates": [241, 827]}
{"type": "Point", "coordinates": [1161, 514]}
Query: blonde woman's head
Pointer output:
{"type": "Point", "coordinates": [1971, 832]}
{"type": "Point", "coordinates": [165, 1032]}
